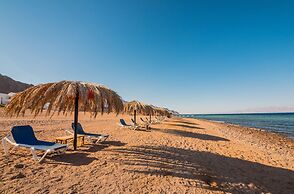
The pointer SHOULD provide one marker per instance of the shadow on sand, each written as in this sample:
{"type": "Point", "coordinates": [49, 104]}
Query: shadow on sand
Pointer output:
{"type": "Point", "coordinates": [183, 122]}
{"type": "Point", "coordinates": [186, 126]}
{"type": "Point", "coordinates": [81, 157]}
{"type": "Point", "coordinates": [191, 134]}
{"type": "Point", "coordinates": [208, 170]}
{"type": "Point", "coordinates": [113, 143]}
{"type": "Point", "coordinates": [73, 159]}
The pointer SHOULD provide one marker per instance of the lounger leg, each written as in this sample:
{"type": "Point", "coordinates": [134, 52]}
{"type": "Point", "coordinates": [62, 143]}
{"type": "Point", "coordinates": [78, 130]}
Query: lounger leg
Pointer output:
{"type": "Point", "coordinates": [63, 150]}
{"type": "Point", "coordinates": [39, 159]}
{"type": "Point", "coordinates": [101, 139]}
{"type": "Point", "coordinates": [60, 151]}
{"type": "Point", "coordinates": [35, 157]}
{"type": "Point", "coordinates": [105, 138]}
{"type": "Point", "coordinates": [94, 141]}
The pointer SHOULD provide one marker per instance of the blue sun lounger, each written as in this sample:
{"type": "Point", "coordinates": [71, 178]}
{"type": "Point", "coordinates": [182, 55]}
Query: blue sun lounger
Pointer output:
{"type": "Point", "coordinates": [123, 124]}
{"type": "Point", "coordinates": [24, 136]}
{"type": "Point", "coordinates": [95, 138]}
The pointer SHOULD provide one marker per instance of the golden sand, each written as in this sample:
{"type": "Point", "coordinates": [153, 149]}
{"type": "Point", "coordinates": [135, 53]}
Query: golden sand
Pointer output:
{"type": "Point", "coordinates": [177, 156]}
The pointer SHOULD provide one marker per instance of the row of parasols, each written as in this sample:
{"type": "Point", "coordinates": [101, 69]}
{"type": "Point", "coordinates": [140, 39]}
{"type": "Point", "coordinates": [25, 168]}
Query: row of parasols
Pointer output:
{"type": "Point", "coordinates": [74, 96]}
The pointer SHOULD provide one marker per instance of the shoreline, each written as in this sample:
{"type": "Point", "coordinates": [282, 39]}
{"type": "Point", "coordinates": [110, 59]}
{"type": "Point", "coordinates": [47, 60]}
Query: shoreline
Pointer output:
{"type": "Point", "coordinates": [269, 142]}
{"type": "Point", "coordinates": [255, 129]}
{"type": "Point", "coordinates": [285, 135]}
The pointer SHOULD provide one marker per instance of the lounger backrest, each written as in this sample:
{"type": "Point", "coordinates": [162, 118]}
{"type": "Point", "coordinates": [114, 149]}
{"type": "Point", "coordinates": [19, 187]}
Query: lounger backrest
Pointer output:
{"type": "Point", "coordinates": [23, 134]}
{"type": "Point", "coordinates": [122, 122]}
{"type": "Point", "coordinates": [80, 129]}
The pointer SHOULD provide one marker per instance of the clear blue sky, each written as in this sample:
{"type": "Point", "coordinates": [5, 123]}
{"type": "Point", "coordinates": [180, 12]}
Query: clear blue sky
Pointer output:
{"type": "Point", "coordinates": [191, 56]}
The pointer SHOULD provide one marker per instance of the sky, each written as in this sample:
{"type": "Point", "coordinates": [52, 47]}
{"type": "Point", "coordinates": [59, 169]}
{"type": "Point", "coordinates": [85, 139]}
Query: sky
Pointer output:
{"type": "Point", "coordinates": [190, 56]}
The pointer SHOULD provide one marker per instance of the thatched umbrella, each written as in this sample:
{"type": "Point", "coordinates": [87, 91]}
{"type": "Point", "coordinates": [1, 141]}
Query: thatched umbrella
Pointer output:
{"type": "Point", "coordinates": [66, 96]}
{"type": "Point", "coordinates": [135, 107]}
{"type": "Point", "coordinates": [164, 112]}
{"type": "Point", "coordinates": [161, 111]}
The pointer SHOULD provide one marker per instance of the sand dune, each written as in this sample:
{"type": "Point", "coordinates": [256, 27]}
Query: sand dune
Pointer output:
{"type": "Point", "coordinates": [177, 156]}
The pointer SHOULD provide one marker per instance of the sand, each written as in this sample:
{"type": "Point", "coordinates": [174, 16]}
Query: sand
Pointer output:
{"type": "Point", "coordinates": [177, 156]}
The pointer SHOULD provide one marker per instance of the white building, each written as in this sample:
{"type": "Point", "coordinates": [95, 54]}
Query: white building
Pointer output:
{"type": "Point", "coordinates": [5, 98]}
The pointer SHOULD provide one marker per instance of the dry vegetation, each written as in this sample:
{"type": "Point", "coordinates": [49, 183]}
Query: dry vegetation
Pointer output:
{"type": "Point", "coordinates": [61, 98]}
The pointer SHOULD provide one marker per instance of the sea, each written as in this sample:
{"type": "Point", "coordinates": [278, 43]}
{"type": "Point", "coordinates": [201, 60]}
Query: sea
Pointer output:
{"type": "Point", "coordinates": [274, 122]}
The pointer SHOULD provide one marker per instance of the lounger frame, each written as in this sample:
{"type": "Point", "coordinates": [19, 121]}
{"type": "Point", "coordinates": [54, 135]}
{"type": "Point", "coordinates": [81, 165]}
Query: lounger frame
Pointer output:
{"type": "Point", "coordinates": [90, 137]}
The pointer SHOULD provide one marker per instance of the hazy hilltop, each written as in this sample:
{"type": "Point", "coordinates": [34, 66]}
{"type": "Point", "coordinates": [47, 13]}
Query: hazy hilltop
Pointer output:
{"type": "Point", "coordinates": [8, 84]}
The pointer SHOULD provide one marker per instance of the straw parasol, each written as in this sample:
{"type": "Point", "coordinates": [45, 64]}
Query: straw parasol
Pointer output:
{"type": "Point", "coordinates": [66, 96]}
{"type": "Point", "coordinates": [135, 107]}
{"type": "Point", "coordinates": [161, 111]}
{"type": "Point", "coordinates": [164, 112]}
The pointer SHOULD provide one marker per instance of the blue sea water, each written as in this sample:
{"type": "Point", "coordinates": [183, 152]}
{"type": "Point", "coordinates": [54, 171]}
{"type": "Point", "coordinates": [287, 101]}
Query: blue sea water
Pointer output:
{"type": "Point", "coordinates": [274, 122]}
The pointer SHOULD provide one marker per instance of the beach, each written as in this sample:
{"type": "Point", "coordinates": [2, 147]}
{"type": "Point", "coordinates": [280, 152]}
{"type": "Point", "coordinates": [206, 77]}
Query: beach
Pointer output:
{"type": "Point", "coordinates": [179, 155]}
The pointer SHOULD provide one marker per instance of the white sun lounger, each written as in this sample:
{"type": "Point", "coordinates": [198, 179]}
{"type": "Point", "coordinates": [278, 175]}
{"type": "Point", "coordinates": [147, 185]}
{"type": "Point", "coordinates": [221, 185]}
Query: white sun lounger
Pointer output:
{"type": "Point", "coordinates": [23, 136]}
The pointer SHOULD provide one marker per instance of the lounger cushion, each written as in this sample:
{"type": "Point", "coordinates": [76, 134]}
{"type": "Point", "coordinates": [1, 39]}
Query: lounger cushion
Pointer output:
{"type": "Point", "coordinates": [24, 136]}
{"type": "Point", "coordinates": [80, 129]}
{"type": "Point", "coordinates": [124, 123]}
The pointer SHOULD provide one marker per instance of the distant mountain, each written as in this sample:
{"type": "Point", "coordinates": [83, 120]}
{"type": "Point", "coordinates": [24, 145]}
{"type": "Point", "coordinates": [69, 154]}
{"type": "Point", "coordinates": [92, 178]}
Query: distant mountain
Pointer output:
{"type": "Point", "coordinates": [8, 85]}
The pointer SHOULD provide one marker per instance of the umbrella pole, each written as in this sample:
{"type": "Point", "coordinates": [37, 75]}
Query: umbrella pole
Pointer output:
{"type": "Point", "coordinates": [76, 120]}
{"type": "Point", "coordinates": [135, 112]}
{"type": "Point", "coordinates": [150, 117]}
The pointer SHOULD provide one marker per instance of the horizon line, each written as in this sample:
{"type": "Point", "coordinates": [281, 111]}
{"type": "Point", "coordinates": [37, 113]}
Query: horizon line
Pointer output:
{"type": "Point", "coordinates": [236, 113]}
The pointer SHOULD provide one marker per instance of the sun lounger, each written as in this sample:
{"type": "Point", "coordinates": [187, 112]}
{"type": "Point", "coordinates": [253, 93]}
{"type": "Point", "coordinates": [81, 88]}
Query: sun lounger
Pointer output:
{"type": "Point", "coordinates": [95, 138]}
{"type": "Point", "coordinates": [134, 123]}
{"type": "Point", "coordinates": [123, 124]}
{"type": "Point", "coordinates": [146, 123]}
{"type": "Point", "coordinates": [23, 136]}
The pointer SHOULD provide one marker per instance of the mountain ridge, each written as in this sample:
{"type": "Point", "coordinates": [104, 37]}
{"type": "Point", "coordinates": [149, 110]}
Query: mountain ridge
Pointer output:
{"type": "Point", "coordinates": [7, 85]}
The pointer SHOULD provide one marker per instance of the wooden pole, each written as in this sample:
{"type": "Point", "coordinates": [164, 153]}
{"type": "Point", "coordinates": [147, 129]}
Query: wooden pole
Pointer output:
{"type": "Point", "coordinates": [150, 117]}
{"type": "Point", "coordinates": [135, 112]}
{"type": "Point", "coordinates": [76, 119]}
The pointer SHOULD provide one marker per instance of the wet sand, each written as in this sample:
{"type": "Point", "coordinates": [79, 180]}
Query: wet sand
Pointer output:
{"type": "Point", "coordinates": [177, 156]}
